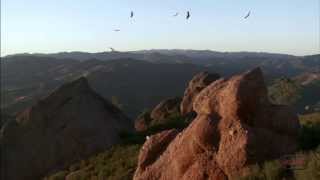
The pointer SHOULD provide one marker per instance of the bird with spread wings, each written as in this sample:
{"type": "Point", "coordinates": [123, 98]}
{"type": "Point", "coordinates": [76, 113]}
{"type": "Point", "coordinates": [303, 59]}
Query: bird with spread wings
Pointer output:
{"type": "Point", "coordinates": [188, 15]}
{"type": "Point", "coordinates": [249, 13]}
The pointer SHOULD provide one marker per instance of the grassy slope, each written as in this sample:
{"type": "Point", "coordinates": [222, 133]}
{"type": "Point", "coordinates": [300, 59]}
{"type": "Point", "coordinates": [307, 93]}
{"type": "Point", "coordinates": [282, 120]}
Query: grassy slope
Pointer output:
{"type": "Point", "coordinates": [119, 162]}
{"type": "Point", "coordinates": [291, 92]}
{"type": "Point", "coordinates": [309, 152]}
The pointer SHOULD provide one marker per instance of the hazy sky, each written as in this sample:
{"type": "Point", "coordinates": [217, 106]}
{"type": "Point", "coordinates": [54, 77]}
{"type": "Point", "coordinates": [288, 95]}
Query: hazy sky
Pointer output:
{"type": "Point", "coordinates": [282, 26]}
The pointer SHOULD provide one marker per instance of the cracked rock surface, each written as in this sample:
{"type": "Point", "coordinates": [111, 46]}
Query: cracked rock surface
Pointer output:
{"type": "Point", "coordinates": [236, 126]}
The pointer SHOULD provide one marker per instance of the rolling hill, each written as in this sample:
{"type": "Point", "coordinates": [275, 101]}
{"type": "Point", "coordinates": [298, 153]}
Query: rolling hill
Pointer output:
{"type": "Point", "coordinates": [139, 79]}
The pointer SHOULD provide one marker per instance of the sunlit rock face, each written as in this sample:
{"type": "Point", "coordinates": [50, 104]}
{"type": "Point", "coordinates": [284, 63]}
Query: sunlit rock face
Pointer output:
{"type": "Point", "coordinates": [236, 126]}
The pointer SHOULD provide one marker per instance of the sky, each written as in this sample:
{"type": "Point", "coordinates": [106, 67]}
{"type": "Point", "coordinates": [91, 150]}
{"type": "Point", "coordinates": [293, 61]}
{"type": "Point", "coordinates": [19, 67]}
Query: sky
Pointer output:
{"type": "Point", "coordinates": [278, 26]}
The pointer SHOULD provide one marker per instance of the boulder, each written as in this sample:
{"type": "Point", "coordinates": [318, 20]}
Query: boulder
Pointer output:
{"type": "Point", "coordinates": [195, 86]}
{"type": "Point", "coordinates": [236, 126]}
{"type": "Point", "coordinates": [166, 109]}
{"type": "Point", "coordinates": [161, 114]}
{"type": "Point", "coordinates": [154, 146]}
{"type": "Point", "coordinates": [70, 124]}
{"type": "Point", "coordinates": [143, 121]}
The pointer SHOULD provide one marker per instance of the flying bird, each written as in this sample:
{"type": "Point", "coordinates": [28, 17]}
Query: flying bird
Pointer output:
{"type": "Point", "coordinates": [131, 14]}
{"type": "Point", "coordinates": [247, 15]}
{"type": "Point", "coordinates": [188, 15]}
{"type": "Point", "coordinates": [176, 14]}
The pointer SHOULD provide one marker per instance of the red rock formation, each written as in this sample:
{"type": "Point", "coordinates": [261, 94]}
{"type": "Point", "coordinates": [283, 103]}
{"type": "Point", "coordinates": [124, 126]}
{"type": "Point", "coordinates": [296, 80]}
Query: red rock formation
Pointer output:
{"type": "Point", "coordinates": [166, 109]}
{"type": "Point", "coordinates": [161, 114]}
{"type": "Point", "coordinates": [70, 124]}
{"type": "Point", "coordinates": [236, 126]}
{"type": "Point", "coordinates": [142, 122]}
{"type": "Point", "coordinates": [196, 85]}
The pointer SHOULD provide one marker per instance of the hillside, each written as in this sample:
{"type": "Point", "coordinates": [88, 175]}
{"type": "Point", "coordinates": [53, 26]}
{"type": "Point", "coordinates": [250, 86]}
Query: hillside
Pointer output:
{"type": "Point", "coordinates": [122, 160]}
{"type": "Point", "coordinates": [72, 123]}
{"type": "Point", "coordinates": [301, 91]}
{"type": "Point", "coordinates": [135, 85]}
{"type": "Point", "coordinates": [111, 164]}
{"type": "Point", "coordinates": [225, 63]}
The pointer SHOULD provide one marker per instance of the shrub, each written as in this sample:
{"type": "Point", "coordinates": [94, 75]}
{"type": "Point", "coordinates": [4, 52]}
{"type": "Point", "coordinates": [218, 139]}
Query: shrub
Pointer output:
{"type": "Point", "coordinates": [255, 173]}
{"type": "Point", "coordinates": [174, 122]}
{"type": "Point", "coordinates": [273, 170]}
{"type": "Point", "coordinates": [58, 176]}
{"type": "Point", "coordinates": [309, 136]}
{"type": "Point", "coordinates": [284, 91]}
{"type": "Point", "coordinates": [310, 131]}
{"type": "Point", "coordinates": [312, 169]}
{"type": "Point", "coordinates": [120, 161]}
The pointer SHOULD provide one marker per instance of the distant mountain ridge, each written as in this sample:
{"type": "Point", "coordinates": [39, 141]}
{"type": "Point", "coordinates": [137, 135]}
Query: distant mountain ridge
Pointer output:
{"type": "Point", "coordinates": [217, 54]}
{"type": "Point", "coordinates": [143, 54]}
{"type": "Point", "coordinates": [138, 79]}
{"type": "Point", "coordinates": [135, 84]}
{"type": "Point", "coordinates": [227, 63]}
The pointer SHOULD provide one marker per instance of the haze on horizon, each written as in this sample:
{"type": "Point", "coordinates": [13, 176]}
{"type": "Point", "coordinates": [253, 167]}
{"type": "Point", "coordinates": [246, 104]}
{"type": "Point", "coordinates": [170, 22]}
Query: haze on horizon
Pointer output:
{"type": "Point", "coordinates": [34, 26]}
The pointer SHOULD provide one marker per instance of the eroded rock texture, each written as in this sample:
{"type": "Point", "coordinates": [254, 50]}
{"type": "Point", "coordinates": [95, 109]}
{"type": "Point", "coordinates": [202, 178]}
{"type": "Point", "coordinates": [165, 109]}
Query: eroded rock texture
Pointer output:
{"type": "Point", "coordinates": [161, 114]}
{"type": "Point", "coordinates": [236, 126]}
{"type": "Point", "coordinates": [195, 86]}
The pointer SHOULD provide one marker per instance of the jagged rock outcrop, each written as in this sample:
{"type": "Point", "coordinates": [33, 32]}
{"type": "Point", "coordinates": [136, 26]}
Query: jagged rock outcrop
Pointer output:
{"type": "Point", "coordinates": [143, 121]}
{"type": "Point", "coordinates": [166, 109]}
{"type": "Point", "coordinates": [162, 113]}
{"type": "Point", "coordinates": [236, 126]}
{"type": "Point", "coordinates": [195, 86]}
{"type": "Point", "coordinates": [70, 124]}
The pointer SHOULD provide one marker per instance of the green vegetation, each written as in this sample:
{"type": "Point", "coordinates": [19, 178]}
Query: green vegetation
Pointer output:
{"type": "Point", "coordinates": [58, 176]}
{"type": "Point", "coordinates": [310, 154]}
{"type": "Point", "coordinates": [313, 118]}
{"type": "Point", "coordinates": [273, 170]}
{"type": "Point", "coordinates": [174, 121]}
{"type": "Point", "coordinates": [284, 91]}
{"type": "Point", "coordinates": [119, 162]}
{"type": "Point", "coordinates": [310, 131]}
{"type": "Point", "coordinates": [303, 98]}
{"type": "Point", "coordinates": [312, 169]}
